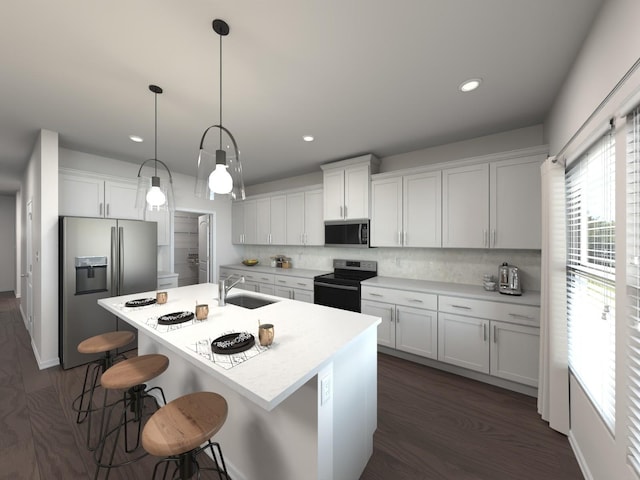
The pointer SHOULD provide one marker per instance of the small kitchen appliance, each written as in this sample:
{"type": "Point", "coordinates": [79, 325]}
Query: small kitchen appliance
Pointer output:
{"type": "Point", "coordinates": [509, 280]}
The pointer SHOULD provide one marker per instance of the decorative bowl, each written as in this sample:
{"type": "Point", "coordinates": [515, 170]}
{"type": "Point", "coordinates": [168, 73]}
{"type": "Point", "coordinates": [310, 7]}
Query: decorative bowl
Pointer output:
{"type": "Point", "coordinates": [250, 262]}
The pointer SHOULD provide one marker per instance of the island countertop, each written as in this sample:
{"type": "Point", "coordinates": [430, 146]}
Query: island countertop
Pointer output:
{"type": "Point", "coordinates": [307, 337]}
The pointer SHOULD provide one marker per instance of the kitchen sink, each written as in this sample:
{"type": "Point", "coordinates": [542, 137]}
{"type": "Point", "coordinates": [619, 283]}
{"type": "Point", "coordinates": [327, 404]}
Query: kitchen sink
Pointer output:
{"type": "Point", "coordinates": [247, 301]}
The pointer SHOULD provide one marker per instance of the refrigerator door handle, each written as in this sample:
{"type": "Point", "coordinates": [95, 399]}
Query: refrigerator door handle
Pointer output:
{"type": "Point", "coordinates": [114, 256]}
{"type": "Point", "coordinates": [120, 258]}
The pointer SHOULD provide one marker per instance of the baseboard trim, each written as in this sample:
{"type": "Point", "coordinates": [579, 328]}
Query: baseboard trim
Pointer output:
{"type": "Point", "coordinates": [582, 463]}
{"type": "Point", "coordinates": [42, 364]}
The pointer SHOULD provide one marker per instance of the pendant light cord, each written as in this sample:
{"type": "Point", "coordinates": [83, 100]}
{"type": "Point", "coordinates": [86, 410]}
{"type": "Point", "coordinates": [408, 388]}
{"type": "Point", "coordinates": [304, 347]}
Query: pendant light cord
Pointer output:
{"type": "Point", "coordinates": [155, 148]}
{"type": "Point", "coordinates": [220, 90]}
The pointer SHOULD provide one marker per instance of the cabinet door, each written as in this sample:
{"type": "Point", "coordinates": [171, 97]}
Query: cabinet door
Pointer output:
{"type": "Point", "coordinates": [515, 203]}
{"type": "Point", "coordinates": [278, 215]}
{"type": "Point", "coordinates": [263, 221]}
{"type": "Point", "coordinates": [265, 288]}
{"type": "Point", "coordinates": [237, 222]}
{"type": "Point", "coordinates": [295, 218]}
{"type": "Point", "coordinates": [463, 341]}
{"type": "Point", "coordinates": [303, 295]}
{"type": "Point", "coordinates": [386, 212]}
{"type": "Point", "coordinates": [422, 210]}
{"type": "Point", "coordinates": [163, 220]}
{"type": "Point", "coordinates": [465, 207]}
{"type": "Point", "coordinates": [387, 328]}
{"type": "Point", "coordinates": [514, 352]}
{"type": "Point", "coordinates": [250, 222]}
{"type": "Point", "coordinates": [284, 292]}
{"type": "Point", "coordinates": [120, 200]}
{"type": "Point", "coordinates": [313, 218]}
{"type": "Point", "coordinates": [417, 331]}
{"type": "Point", "coordinates": [80, 196]}
{"type": "Point", "coordinates": [333, 181]}
{"type": "Point", "coordinates": [356, 192]}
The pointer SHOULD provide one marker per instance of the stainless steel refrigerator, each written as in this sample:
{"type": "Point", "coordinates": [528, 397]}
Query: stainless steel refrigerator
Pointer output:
{"type": "Point", "coordinates": [100, 258]}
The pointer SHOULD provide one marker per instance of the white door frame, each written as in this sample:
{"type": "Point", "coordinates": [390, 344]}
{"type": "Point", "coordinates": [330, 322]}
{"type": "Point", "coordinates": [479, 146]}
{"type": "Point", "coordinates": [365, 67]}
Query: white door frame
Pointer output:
{"type": "Point", "coordinates": [29, 272]}
{"type": "Point", "coordinates": [213, 271]}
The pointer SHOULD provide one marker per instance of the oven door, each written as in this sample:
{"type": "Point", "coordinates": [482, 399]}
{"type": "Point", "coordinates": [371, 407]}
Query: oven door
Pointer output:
{"type": "Point", "coordinates": [346, 297]}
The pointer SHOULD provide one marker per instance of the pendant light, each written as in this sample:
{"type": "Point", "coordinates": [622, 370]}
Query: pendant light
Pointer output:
{"type": "Point", "coordinates": [219, 172]}
{"type": "Point", "coordinates": [151, 193]}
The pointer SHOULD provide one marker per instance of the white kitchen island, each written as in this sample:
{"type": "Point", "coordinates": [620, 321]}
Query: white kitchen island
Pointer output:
{"type": "Point", "coordinates": [304, 408]}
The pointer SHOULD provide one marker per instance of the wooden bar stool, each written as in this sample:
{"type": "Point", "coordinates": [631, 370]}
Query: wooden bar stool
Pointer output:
{"type": "Point", "coordinates": [129, 375]}
{"type": "Point", "coordinates": [107, 344]}
{"type": "Point", "coordinates": [178, 430]}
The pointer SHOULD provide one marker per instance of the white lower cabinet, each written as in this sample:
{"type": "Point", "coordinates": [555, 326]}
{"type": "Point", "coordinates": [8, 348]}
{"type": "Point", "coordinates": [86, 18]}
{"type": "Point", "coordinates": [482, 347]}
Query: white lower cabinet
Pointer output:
{"type": "Point", "coordinates": [404, 327]}
{"type": "Point", "coordinates": [463, 341]}
{"type": "Point", "coordinates": [294, 288]}
{"type": "Point", "coordinates": [473, 334]}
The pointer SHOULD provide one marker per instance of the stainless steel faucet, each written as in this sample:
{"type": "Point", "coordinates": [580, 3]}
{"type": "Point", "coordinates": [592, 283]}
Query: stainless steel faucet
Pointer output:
{"type": "Point", "coordinates": [223, 288]}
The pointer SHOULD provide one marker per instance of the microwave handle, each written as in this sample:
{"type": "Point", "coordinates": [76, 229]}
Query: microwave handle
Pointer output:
{"type": "Point", "coordinates": [360, 234]}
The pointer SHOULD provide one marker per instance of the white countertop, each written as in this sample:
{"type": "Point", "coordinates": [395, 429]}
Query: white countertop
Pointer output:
{"type": "Point", "coordinates": [294, 272]}
{"type": "Point", "coordinates": [453, 289]}
{"type": "Point", "coordinates": [307, 337]}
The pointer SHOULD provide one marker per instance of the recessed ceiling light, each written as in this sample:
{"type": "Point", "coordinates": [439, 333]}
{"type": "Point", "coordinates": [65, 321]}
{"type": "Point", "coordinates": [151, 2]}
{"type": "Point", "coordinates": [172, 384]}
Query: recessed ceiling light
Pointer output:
{"type": "Point", "coordinates": [308, 138]}
{"type": "Point", "coordinates": [470, 85]}
{"type": "Point", "coordinates": [135, 138]}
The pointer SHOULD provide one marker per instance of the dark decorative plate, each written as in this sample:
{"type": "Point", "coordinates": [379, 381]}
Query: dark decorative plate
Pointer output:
{"type": "Point", "coordinates": [233, 343]}
{"type": "Point", "coordinates": [175, 318]}
{"type": "Point", "coordinates": [140, 302]}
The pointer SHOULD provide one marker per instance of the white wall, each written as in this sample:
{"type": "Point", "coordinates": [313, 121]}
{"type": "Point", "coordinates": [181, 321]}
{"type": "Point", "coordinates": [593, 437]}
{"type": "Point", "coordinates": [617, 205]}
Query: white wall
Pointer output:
{"type": "Point", "coordinates": [612, 47]}
{"type": "Point", "coordinates": [8, 242]}
{"type": "Point", "coordinates": [39, 185]}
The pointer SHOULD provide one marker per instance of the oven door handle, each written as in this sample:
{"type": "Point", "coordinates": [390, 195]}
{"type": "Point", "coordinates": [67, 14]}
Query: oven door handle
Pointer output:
{"type": "Point", "coordinates": [339, 287]}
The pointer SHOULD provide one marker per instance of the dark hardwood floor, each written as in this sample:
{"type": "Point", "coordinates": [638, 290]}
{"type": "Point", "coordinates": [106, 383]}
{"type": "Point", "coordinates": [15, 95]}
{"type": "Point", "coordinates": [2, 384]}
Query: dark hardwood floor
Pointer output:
{"type": "Point", "coordinates": [431, 424]}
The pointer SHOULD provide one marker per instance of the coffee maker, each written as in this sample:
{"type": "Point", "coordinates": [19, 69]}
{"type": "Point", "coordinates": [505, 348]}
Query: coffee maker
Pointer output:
{"type": "Point", "coordinates": [509, 280]}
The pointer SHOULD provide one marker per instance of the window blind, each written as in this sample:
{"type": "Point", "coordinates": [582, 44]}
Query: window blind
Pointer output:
{"type": "Point", "coordinates": [633, 283]}
{"type": "Point", "coordinates": [590, 188]}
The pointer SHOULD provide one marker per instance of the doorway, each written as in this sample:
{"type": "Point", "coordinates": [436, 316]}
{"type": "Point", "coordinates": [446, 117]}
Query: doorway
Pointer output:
{"type": "Point", "coordinates": [194, 247]}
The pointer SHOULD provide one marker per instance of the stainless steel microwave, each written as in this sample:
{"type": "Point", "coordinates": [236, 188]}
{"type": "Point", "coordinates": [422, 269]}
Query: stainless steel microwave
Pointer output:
{"type": "Point", "coordinates": [346, 233]}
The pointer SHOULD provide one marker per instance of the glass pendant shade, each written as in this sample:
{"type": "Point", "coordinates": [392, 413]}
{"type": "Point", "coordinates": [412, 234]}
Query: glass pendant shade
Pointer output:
{"type": "Point", "coordinates": [220, 172]}
{"type": "Point", "coordinates": [219, 164]}
{"type": "Point", "coordinates": [153, 194]}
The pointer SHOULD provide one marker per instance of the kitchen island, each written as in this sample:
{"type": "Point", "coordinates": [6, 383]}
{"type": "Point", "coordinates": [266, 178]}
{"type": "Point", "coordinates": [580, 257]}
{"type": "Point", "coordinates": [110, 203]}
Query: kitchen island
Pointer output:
{"type": "Point", "coordinates": [305, 407]}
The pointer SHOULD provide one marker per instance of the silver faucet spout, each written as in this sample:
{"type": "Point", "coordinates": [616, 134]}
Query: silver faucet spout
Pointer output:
{"type": "Point", "coordinates": [223, 288]}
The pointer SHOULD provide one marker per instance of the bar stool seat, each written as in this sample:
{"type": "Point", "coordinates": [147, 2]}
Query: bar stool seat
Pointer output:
{"type": "Point", "coordinates": [177, 430]}
{"type": "Point", "coordinates": [105, 343]}
{"type": "Point", "coordinates": [129, 375]}
{"type": "Point", "coordinates": [134, 371]}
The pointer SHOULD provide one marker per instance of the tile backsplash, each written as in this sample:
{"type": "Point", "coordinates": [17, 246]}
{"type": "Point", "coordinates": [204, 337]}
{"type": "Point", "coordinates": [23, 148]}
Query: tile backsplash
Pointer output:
{"type": "Point", "coordinates": [443, 265]}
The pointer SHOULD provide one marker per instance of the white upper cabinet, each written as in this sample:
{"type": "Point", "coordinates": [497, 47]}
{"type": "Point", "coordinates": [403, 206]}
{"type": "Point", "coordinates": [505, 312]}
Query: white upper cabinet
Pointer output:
{"type": "Point", "coordinates": [465, 206]}
{"type": "Point", "coordinates": [515, 211]}
{"type": "Point", "coordinates": [346, 188]}
{"type": "Point", "coordinates": [91, 196]}
{"type": "Point", "coordinates": [263, 221]}
{"type": "Point", "coordinates": [250, 216]}
{"type": "Point", "coordinates": [271, 220]}
{"type": "Point", "coordinates": [313, 219]}
{"type": "Point", "coordinates": [237, 222]}
{"type": "Point", "coordinates": [493, 205]}
{"type": "Point", "coordinates": [406, 211]}
{"type": "Point", "coordinates": [386, 212]}
{"type": "Point", "coordinates": [304, 221]}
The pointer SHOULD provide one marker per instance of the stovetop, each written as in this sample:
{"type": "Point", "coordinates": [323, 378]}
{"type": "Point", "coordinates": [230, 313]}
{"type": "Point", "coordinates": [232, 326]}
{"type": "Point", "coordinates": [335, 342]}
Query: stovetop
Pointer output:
{"type": "Point", "coordinates": [350, 271]}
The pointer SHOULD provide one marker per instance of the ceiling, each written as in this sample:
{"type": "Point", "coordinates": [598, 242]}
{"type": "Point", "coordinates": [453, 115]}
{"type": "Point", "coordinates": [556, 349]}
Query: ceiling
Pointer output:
{"type": "Point", "coordinates": [361, 76]}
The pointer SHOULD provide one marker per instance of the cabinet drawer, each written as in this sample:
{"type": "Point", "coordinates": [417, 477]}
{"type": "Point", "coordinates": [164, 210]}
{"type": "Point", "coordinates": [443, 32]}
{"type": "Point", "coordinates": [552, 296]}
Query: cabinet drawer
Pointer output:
{"type": "Point", "coordinates": [400, 297]}
{"type": "Point", "coordinates": [521, 314]}
{"type": "Point", "coordinates": [258, 277]}
{"type": "Point", "coordinates": [294, 282]}
{"type": "Point", "coordinates": [168, 282]}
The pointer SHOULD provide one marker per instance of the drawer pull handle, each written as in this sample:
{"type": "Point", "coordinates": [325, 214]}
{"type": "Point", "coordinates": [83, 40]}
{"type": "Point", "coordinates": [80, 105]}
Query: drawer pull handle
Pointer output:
{"type": "Point", "coordinates": [376, 295]}
{"type": "Point", "coordinates": [464, 307]}
{"type": "Point", "coordinates": [517, 315]}
{"type": "Point", "coordinates": [282, 281]}
{"type": "Point", "coordinates": [415, 300]}
{"type": "Point", "coordinates": [302, 284]}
